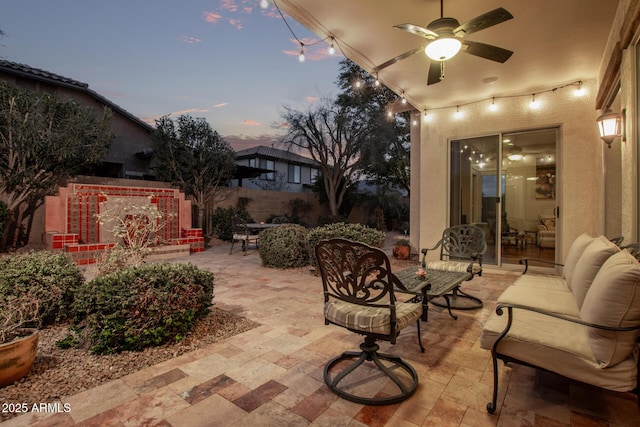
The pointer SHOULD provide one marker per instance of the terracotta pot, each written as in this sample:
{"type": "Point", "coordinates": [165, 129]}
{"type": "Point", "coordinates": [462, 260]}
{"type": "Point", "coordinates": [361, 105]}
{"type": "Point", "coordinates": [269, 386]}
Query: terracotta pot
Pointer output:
{"type": "Point", "coordinates": [402, 252]}
{"type": "Point", "coordinates": [17, 356]}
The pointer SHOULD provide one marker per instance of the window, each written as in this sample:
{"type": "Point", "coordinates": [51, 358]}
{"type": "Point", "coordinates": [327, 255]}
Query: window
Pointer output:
{"type": "Point", "coordinates": [294, 174]}
{"type": "Point", "coordinates": [267, 164]}
{"type": "Point", "coordinates": [314, 175]}
{"type": "Point", "coordinates": [252, 163]}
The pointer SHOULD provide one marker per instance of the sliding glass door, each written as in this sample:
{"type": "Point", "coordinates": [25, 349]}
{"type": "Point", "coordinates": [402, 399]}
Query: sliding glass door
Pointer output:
{"type": "Point", "coordinates": [474, 188]}
{"type": "Point", "coordinates": [506, 184]}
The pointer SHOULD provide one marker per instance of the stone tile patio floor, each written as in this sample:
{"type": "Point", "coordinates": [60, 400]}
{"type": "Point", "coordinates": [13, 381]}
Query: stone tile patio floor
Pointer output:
{"type": "Point", "coordinates": [272, 375]}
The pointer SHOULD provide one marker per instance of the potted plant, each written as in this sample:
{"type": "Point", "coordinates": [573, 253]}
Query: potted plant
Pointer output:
{"type": "Point", "coordinates": [402, 249]}
{"type": "Point", "coordinates": [18, 337]}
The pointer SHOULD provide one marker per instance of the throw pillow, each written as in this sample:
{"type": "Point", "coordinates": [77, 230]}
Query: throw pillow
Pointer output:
{"type": "Point", "coordinates": [613, 300]}
{"type": "Point", "coordinates": [589, 264]}
{"type": "Point", "coordinates": [577, 248]}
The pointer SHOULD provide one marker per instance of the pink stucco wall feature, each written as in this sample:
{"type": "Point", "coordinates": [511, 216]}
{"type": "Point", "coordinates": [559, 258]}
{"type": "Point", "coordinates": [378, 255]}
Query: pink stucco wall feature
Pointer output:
{"type": "Point", "coordinates": [70, 223]}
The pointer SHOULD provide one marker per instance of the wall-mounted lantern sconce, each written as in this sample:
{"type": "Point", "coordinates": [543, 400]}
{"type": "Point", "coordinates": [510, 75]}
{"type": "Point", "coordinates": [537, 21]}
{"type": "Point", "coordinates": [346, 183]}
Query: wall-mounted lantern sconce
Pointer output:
{"type": "Point", "coordinates": [611, 125]}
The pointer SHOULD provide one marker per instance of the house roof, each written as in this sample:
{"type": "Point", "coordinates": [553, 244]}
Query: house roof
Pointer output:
{"type": "Point", "coordinates": [32, 73]}
{"type": "Point", "coordinates": [275, 154]}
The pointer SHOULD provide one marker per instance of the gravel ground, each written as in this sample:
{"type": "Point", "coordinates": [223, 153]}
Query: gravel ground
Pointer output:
{"type": "Point", "coordinates": [58, 373]}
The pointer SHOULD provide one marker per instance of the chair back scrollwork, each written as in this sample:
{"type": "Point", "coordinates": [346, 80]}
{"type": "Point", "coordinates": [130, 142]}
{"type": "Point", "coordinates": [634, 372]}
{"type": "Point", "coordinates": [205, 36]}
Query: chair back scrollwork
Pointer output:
{"type": "Point", "coordinates": [356, 273]}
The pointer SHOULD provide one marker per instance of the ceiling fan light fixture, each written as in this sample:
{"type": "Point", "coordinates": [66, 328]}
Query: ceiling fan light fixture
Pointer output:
{"type": "Point", "coordinates": [443, 48]}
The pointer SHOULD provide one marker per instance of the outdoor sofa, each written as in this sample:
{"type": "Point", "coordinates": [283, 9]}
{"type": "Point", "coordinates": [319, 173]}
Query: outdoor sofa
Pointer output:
{"type": "Point", "coordinates": [583, 325]}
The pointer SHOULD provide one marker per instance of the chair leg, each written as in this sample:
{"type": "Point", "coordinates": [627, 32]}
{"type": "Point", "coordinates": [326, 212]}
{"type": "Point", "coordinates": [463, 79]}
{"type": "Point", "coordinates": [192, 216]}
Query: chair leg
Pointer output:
{"type": "Point", "coordinates": [420, 337]}
{"type": "Point", "coordinates": [370, 353]}
{"type": "Point", "coordinates": [232, 243]}
{"type": "Point", "coordinates": [491, 406]}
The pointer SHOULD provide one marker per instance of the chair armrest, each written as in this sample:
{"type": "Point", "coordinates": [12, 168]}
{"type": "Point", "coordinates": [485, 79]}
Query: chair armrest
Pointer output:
{"type": "Point", "coordinates": [425, 250]}
{"type": "Point", "coordinates": [526, 261]}
{"type": "Point", "coordinates": [510, 306]}
{"type": "Point", "coordinates": [500, 311]}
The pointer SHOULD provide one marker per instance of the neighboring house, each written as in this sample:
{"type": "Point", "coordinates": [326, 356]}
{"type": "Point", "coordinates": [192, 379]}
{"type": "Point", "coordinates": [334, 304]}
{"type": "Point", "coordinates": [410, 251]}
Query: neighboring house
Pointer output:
{"type": "Point", "coordinates": [130, 155]}
{"type": "Point", "coordinates": [284, 171]}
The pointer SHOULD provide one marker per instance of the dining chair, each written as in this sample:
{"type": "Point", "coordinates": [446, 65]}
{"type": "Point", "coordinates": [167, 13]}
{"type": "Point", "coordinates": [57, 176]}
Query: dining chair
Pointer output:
{"type": "Point", "coordinates": [242, 234]}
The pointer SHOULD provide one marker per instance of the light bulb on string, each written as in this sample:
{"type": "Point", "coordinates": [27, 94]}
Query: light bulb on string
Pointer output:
{"type": "Point", "coordinates": [301, 56]}
{"type": "Point", "coordinates": [264, 4]}
{"type": "Point", "coordinates": [534, 104]}
{"type": "Point", "coordinates": [580, 91]}
{"type": "Point", "coordinates": [377, 81]}
{"type": "Point", "coordinates": [458, 114]}
{"type": "Point", "coordinates": [404, 100]}
{"type": "Point", "coordinates": [493, 106]}
{"type": "Point", "coordinates": [358, 84]}
{"type": "Point", "coordinates": [332, 49]}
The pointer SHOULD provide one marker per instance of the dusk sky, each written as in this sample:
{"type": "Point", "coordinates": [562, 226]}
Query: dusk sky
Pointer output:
{"type": "Point", "coordinates": [229, 61]}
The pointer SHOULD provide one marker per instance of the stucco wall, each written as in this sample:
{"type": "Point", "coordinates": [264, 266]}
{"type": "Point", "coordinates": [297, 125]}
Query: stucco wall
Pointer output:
{"type": "Point", "coordinates": [580, 151]}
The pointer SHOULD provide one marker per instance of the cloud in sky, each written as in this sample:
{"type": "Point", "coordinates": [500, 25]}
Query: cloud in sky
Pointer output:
{"type": "Point", "coordinates": [220, 105]}
{"type": "Point", "coordinates": [311, 99]}
{"type": "Point", "coordinates": [251, 122]}
{"type": "Point", "coordinates": [190, 40]}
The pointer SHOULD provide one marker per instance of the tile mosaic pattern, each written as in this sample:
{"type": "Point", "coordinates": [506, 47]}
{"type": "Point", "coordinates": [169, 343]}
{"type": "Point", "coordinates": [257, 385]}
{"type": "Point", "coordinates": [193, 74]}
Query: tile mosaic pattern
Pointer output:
{"type": "Point", "coordinates": [272, 375]}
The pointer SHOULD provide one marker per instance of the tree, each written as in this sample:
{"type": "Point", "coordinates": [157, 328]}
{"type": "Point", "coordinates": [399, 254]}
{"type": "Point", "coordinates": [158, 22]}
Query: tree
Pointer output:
{"type": "Point", "coordinates": [43, 139]}
{"type": "Point", "coordinates": [191, 154]}
{"type": "Point", "coordinates": [387, 152]}
{"type": "Point", "coordinates": [333, 136]}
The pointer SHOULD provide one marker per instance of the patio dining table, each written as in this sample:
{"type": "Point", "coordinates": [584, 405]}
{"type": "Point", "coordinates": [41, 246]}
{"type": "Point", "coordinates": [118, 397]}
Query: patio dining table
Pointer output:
{"type": "Point", "coordinates": [435, 284]}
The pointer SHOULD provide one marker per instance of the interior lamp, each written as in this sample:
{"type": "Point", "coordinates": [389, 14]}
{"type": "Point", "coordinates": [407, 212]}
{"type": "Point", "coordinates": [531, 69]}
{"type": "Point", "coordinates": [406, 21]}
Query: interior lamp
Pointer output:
{"type": "Point", "coordinates": [443, 48]}
{"type": "Point", "coordinates": [514, 154]}
{"type": "Point", "coordinates": [610, 125]}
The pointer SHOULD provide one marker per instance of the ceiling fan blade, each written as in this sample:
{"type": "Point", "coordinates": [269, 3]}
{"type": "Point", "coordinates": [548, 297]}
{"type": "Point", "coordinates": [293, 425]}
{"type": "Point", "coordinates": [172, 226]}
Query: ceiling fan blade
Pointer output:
{"type": "Point", "coordinates": [398, 58]}
{"type": "Point", "coordinates": [418, 31]}
{"type": "Point", "coordinates": [435, 73]}
{"type": "Point", "coordinates": [483, 21]}
{"type": "Point", "coordinates": [486, 51]}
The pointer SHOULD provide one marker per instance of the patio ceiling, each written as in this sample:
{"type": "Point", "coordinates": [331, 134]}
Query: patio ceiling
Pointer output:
{"type": "Point", "coordinates": [554, 42]}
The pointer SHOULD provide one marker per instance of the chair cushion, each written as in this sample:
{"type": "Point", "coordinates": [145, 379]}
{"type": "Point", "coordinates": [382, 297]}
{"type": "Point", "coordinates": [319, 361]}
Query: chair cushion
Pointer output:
{"type": "Point", "coordinates": [613, 300]}
{"type": "Point", "coordinates": [588, 265]}
{"type": "Point", "coordinates": [460, 266]}
{"type": "Point", "coordinates": [371, 319]}
{"type": "Point", "coordinates": [577, 248]}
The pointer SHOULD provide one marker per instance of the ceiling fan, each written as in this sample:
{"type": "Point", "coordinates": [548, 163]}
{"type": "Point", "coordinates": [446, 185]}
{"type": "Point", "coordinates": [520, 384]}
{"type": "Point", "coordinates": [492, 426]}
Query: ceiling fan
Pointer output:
{"type": "Point", "coordinates": [446, 37]}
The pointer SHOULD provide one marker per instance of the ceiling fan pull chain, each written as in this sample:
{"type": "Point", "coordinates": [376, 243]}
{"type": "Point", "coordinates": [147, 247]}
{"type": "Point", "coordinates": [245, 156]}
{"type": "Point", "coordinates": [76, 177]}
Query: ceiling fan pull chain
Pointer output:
{"type": "Point", "coordinates": [441, 70]}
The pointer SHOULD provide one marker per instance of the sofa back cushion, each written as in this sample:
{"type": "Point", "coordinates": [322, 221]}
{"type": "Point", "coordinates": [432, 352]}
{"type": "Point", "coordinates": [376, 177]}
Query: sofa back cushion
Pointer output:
{"type": "Point", "coordinates": [613, 300]}
{"type": "Point", "coordinates": [577, 248]}
{"type": "Point", "coordinates": [594, 255]}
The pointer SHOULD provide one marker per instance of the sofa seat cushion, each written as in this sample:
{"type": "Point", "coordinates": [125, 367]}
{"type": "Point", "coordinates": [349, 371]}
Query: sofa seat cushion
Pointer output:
{"type": "Point", "coordinates": [554, 301]}
{"type": "Point", "coordinates": [543, 282]}
{"type": "Point", "coordinates": [614, 300]}
{"type": "Point", "coordinates": [575, 250]}
{"type": "Point", "coordinates": [589, 264]}
{"type": "Point", "coordinates": [558, 346]}
{"type": "Point", "coordinates": [460, 266]}
{"type": "Point", "coordinates": [374, 320]}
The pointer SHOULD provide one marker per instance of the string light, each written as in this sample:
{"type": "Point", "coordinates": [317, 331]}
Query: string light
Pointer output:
{"type": "Point", "coordinates": [493, 106]}
{"type": "Point", "coordinates": [301, 56]}
{"type": "Point", "coordinates": [534, 104]}
{"type": "Point", "coordinates": [404, 100]}
{"type": "Point", "coordinates": [458, 114]}
{"type": "Point", "coordinates": [264, 4]}
{"type": "Point", "coordinates": [580, 91]}
{"type": "Point", "coordinates": [377, 82]}
{"type": "Point", "coordinates": [332, 49]}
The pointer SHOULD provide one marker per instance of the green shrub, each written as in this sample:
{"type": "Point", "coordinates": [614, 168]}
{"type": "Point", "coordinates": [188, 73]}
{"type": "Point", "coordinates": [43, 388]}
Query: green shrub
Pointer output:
{"type": "Point", "coordinates": [284, 246]}
{"type": "Point", "coordinates": [52, 277]}
{"type": "Point", "coordinates": [142, 306]}
{"type": "Point", "coordinates": [221, 221]}
{"type": "Point", "coordinates": [357, 232]}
